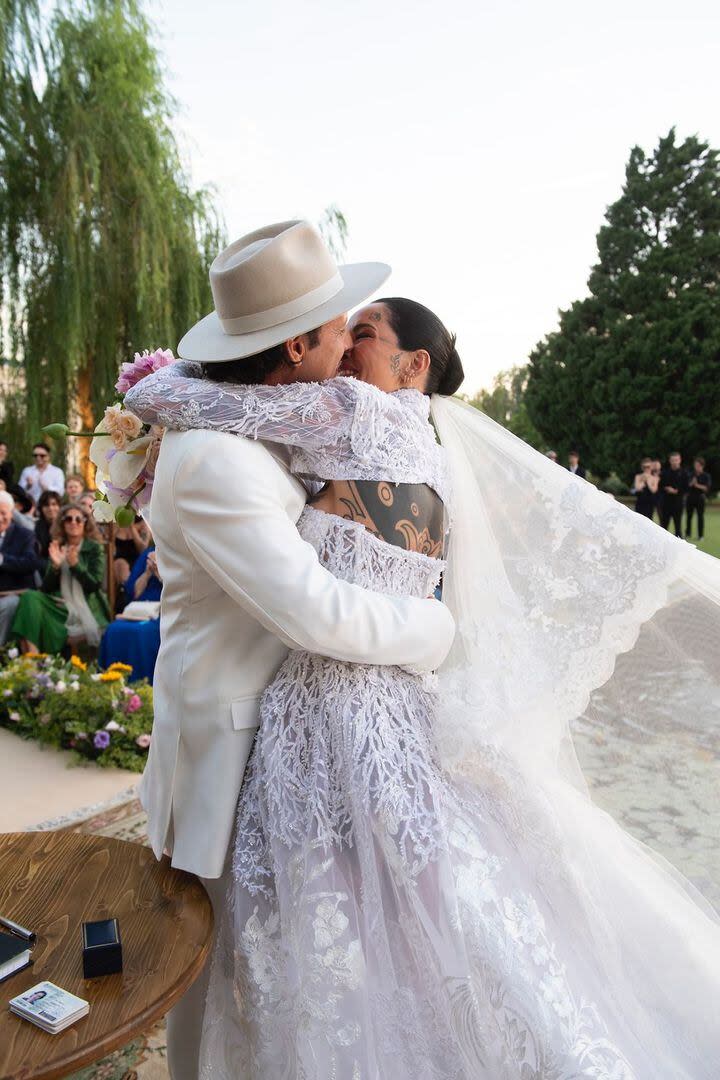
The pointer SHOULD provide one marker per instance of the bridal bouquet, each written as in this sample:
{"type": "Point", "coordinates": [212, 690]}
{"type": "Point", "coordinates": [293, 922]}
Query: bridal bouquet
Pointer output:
{"type": "Point", "coordinates": [123, 448]}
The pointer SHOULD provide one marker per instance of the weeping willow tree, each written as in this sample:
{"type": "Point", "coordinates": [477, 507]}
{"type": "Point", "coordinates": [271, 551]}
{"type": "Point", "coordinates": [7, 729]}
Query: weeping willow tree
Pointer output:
{"type": "Point", "coordinates": [104, 245]}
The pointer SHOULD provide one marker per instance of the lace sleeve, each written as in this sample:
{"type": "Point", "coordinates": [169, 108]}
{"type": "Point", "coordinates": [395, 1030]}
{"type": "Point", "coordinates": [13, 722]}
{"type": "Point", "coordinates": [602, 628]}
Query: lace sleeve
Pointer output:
{"type": "Point", "coordinates": [310, 415]}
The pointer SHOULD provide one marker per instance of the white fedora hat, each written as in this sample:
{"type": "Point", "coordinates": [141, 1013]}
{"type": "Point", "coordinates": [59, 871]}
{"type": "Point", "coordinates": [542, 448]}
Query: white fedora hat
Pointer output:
{"type": "Point", "coordinates": [272, 285]}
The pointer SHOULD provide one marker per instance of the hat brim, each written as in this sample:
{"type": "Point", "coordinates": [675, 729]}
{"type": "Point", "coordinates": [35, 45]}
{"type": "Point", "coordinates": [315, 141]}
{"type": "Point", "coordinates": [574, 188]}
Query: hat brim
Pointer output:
{"type": "Point", "coordinates": [206, 342]}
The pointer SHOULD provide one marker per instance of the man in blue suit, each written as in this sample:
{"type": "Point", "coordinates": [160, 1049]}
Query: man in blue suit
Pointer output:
{"type": "Point", "coordinates": [18, 563]}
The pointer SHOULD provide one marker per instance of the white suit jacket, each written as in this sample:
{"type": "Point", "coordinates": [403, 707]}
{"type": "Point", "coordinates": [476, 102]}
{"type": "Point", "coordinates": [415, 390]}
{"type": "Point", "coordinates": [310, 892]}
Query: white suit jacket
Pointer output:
{"type": "Point", "coordinates": [240, 587]}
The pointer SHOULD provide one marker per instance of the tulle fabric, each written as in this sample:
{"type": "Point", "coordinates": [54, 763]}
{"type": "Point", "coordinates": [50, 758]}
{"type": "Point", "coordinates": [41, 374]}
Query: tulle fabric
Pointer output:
{"type": "Point", "coordinates": [574, 614]}
{"type": "Point", "coordinates": [396, 915]}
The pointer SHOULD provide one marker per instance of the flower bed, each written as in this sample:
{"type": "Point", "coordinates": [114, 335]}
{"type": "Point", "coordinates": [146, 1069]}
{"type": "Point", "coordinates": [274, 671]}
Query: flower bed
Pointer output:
{"type": "Point", "coordinates": [74, 705]}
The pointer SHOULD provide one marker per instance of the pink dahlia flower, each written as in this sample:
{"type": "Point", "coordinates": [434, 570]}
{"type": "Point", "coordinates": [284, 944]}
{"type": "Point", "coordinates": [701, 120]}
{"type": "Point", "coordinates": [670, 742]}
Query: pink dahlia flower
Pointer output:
{"type": "Point", "coordinates": [142, 365]}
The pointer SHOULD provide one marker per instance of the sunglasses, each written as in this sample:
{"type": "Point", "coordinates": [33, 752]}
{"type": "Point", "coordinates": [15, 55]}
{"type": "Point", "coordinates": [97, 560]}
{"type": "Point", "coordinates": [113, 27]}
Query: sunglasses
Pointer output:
{"type": "Point", "coordinates": [76, 518]}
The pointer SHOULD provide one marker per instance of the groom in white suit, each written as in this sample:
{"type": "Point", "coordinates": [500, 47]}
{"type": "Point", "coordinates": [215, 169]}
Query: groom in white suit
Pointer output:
{"type": "Point", "coordinates": [240, 585]}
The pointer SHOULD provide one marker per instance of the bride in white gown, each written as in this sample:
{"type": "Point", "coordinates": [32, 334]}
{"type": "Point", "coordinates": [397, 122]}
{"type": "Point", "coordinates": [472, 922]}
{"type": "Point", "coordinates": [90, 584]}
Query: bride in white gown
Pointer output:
{"type": "Point", "coordinates": [422, 888]}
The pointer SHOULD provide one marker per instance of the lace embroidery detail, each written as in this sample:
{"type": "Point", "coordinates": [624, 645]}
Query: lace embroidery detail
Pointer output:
{"type": "Point", "coordinates": [342, 429]}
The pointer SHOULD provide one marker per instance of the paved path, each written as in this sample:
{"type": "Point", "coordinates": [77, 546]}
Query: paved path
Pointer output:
{"type": "Point", "coordinates": [40, 783]}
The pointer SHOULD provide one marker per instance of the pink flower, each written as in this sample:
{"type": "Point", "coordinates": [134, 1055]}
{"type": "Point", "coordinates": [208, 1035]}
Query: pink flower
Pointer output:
{"type": "Point", "coordinates": [142, 365]}
{"type": "Point", "coordinates": [143, 741]}
{"type": "Point", "coordinates": [133, 703]}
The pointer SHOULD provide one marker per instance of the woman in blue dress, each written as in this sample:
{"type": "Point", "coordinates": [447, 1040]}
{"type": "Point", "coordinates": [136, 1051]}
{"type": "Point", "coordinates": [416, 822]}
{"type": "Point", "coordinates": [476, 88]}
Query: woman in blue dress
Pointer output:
{"type": "Point", "coordinates": [136, 643]}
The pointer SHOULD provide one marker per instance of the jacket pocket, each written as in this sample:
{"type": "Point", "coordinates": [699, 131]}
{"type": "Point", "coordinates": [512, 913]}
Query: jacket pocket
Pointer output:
{"type": "Point", "coordinates": [245, 711]}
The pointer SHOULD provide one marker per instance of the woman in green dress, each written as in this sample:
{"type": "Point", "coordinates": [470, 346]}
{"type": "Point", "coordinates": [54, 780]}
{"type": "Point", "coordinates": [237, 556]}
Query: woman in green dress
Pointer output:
{"type": "Point", "coordinates": [70, 602]}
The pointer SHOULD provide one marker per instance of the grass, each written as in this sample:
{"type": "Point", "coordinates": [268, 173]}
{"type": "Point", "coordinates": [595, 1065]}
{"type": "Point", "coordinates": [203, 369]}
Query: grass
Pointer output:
{"type": "Point", "coordinates": [711, 542]}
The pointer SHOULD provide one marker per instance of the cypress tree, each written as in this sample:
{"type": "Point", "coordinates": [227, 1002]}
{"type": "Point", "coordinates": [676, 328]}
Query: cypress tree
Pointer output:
{"type": "Point", "coordinates": [633, 367]}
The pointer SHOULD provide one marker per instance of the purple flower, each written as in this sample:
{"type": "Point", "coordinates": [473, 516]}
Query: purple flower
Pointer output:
{"type": "Point", "coordinates": [142, 365]}
{"type": "Point", "coordinates": [101, 740]}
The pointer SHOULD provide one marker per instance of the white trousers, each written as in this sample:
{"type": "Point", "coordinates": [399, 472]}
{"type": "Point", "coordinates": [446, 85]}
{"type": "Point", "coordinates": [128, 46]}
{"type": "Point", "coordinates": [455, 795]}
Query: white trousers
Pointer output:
{"type": "Point", "coordinates": [185, 1020]}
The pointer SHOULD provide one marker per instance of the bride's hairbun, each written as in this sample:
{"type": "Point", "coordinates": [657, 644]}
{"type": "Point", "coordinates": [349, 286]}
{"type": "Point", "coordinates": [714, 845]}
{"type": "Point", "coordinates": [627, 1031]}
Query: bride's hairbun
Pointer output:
{"type": "Point", "coordinates": [417, 327]}
{"type": "Point", "coordinates": [453, 375]}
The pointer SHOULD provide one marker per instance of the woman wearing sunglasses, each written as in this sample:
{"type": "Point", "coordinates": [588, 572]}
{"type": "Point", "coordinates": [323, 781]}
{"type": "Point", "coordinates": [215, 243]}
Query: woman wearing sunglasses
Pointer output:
{"type": "Point", "coordinates": [70, 604]}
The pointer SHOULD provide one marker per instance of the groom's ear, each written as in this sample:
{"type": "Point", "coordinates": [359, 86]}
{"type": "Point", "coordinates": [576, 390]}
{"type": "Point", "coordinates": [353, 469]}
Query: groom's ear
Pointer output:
{"type": "Point", "coordinates": [295, 350]}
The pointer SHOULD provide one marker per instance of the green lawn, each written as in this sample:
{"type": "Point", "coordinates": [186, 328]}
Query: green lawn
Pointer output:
{"type": "Point", "coordinates": [711, 543]}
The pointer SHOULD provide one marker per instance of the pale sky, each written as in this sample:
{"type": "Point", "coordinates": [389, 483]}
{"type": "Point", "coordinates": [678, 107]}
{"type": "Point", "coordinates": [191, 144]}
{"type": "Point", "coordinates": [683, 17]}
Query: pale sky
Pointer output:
{"type": "Point", "coordinates": [472, 145]}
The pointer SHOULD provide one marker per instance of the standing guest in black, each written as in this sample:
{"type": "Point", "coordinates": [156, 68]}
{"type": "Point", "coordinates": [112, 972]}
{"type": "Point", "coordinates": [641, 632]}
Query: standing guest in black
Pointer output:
{"type": "Point", "coordinates": [645, 488]}
{"type": "Point", "coordinates": [673, 484]}
{"type": "Point", "coordinates": [574, 465]}
{"type": "Point", "coordinates": [7, 470]}
{"type": "Point", "coordinates": [698, 487]}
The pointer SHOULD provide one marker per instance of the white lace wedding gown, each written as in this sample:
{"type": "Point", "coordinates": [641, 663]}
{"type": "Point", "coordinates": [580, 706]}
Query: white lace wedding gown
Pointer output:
{"type": "Point", "coordinates": [388, 920]}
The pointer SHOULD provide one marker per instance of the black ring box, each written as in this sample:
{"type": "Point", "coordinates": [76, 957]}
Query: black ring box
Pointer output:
{"type": "Point", "coordinates": [102, 948]}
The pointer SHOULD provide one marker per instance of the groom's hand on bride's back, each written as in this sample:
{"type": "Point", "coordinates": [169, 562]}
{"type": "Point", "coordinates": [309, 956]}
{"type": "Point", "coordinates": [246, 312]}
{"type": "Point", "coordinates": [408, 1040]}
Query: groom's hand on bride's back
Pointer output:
{"type": "Point", "coordinates": [233, 501]}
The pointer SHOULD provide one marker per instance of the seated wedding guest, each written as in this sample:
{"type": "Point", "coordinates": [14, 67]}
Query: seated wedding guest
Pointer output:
{"type": "Point", "coordinates": [87, 500]}
{"type": "Point", "coordinates": [673, 484]}
{"type": "Point", "coordinates": [42, 475]}
{"type": "Point", "coordinates": [48, 510]}
{"type": "Point", "coordinates": [645, 488]}
{"type": "Point", "coordinates": [7, 469]}
{"type": "Point", "coordinates": [130, 542]}
{"type": "Point", "coordinates": [71, 603]}
{"type": "Point", "coordinates": [24, 508]}
{"type": "Point", "coordinates": [74, 487]}
{"type": "Point", "coordinates": [552, 454]}
{"type": "Point", "coordinates": [699, 484]}
{"type": "Point", "coordinates": [136, 643]}
{"type": "Point", "coordinates": [574, 465]}
{"type": "Point", "coordinates": [18, 563]}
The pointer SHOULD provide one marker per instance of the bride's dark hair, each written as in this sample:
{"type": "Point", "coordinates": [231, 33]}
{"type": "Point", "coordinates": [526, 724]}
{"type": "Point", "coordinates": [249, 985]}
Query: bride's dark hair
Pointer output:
{"type": "Point", "coordinates": [417, 327]}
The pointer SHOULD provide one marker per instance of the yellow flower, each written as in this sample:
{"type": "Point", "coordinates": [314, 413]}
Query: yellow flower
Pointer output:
{"type": "Point", "coordinates": [118, 666]}
{"type": "Point", "coordinates": [110, 676]}
{"type": "Point", "coordinates": [35, 656]}
{"type": "Point", "coordinates": [78, 663]}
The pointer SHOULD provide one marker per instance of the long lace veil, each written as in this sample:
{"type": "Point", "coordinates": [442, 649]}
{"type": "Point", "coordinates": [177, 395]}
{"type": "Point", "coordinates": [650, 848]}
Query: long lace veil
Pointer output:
{"type": "Point", "coordinates": [576, 617]}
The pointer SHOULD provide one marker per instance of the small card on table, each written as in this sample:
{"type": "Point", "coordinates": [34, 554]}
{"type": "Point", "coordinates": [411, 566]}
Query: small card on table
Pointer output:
{"type": "Point", "coordinates": [50, 1007]}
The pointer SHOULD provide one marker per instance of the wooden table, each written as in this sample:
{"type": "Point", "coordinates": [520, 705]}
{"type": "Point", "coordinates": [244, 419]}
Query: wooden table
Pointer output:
{"type": "Point", "coordinates": [51, 882]}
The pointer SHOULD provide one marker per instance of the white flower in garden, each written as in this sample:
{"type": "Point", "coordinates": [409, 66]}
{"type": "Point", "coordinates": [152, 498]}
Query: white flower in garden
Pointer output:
{"type": "Point", "coordinates": [60, 687]}
{"type": "Point", "coordinates": [75, 685]}
{"type": "Point", "coordinates": [14, 716]}
{"type": "Point", "coordinates": [7, 693]}
{"type": "Point", "coordinates": [112, 725]}
{"type": "Point", "coordinates": [95, 678]}
{"type": "Point", "coordinates": [13, 654]}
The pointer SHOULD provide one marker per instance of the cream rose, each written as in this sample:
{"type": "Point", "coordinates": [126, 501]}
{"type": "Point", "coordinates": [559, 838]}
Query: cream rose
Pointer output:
{"type": "Point", "coordinates": [122, 426]}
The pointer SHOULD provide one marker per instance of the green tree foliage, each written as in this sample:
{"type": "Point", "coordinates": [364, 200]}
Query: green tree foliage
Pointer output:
{"type": "Point", "coordinates": [505, 403]}
{"type": "Point", "coordinates": [104, 245]}
{"type": "Point", "coordinates": [633, 368]}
